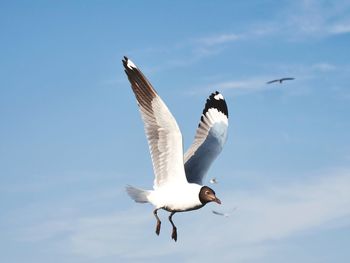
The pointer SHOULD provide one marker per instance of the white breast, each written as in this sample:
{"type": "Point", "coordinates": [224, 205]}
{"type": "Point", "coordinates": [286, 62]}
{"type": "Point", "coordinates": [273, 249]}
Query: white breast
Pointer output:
{"type": "Point", "coordinates": [179, 197]}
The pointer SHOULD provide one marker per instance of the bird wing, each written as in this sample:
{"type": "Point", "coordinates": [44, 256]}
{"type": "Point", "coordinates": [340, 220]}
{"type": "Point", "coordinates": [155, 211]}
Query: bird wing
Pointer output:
{"type": "Point", "coordinates": [217, 213]}
{"type": "Point", "coordinates": [162, 132]}
{"type": "Point", "coordinates": [209, 140]}
{"type": "Point", "coordinates": [287, 79]}
{"type": "Point", "coordinates": [272, 81]}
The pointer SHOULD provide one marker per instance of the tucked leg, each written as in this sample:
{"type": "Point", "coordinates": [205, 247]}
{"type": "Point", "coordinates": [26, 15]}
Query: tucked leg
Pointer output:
{"type": "Point", "coordinates": [174, 234]}
{"type": "Point", "coordinates": [158, 221]}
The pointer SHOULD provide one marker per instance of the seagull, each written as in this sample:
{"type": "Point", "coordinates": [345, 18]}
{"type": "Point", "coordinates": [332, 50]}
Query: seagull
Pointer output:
{"type": "Point", "coordinates": [213, 181]}
{"type": "Point", "coordinates": [223, 214]}
{"type": "Point", "coordinates": [220, 214]}
{"type": "Point", "coordinates": [279, 80]}
{"type": "Point", "coordinates": [178, 182]}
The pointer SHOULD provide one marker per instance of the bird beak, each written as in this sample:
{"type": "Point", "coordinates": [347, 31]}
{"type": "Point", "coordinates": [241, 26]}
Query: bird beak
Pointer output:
{"type": "Point", "coordinates": [217, 200]}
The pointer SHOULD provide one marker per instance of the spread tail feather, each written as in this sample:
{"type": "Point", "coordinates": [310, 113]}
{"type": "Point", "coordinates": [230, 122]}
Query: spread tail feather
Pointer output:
{"type": "Point", "coordinates": [138, 195]}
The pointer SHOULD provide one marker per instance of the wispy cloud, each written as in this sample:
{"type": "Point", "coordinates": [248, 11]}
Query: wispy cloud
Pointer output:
{"type": "Point", "coordinates": [250, 84]}
{"type": "Point", "coordinates": [324, 67]}
{"type": "Point", "coordinates": [218, 39]}
{"type": "Point", "coordinates": [274, 212]}
{"type": "Point", "coordinates": [285, 211]}
{"type": "Point", "coordinates": [296, 21]}
{"type": "Point", "coordinates": [304, 74]}
{"type": "Point", "coordinates": [340, 28]}
{"type": "Point", "coordinates": [239, 87]}
{"type": "Point", "coordinates": [309, 18]}
{"type": "Point", "coordinates": [192, 50]}
{"type": "Point", "coordinates": [204, 46]}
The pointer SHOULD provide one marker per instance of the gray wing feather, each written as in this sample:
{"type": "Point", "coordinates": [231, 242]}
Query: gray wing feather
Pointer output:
{"type": "Point", "coordinates": [162, 132]}
{"type": "Point", "coordinates": [209, 141]}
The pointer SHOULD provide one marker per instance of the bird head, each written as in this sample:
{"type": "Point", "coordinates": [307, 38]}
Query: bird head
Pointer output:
{"type": "Point", "coordinates": [206, 195]}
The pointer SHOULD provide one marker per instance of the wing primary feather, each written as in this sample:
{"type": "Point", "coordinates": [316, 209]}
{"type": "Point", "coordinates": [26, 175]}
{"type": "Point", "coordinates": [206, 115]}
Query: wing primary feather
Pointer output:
{"type": "Point", "coordinates": [162, 132]}
{"type": "Point", "coordinates": [217, 101]}
{"type": "Point", "coordinates": [209, 139]}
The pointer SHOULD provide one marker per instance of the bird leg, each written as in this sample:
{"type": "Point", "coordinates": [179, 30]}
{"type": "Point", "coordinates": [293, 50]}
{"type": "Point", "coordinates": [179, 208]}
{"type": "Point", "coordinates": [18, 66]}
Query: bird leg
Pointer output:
{"type": "Point", "coordinates": [174, 233]}
{"type": "Point", "coordinates": [158, 221]}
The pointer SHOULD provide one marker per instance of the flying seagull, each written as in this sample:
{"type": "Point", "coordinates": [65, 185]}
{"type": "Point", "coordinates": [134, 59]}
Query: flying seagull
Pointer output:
{"type": "Point", "coordinates": [177, 185]}
{"type": "Point", "coordinates": [279, 80]}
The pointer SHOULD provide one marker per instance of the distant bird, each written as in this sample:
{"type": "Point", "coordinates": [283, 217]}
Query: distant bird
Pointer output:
{"type": "Point", "coordinates": [220, 214]}
{"type": "Point", "coordinates": [178, 180]}
{"type": "Point", "coordinates": [213, 181]}
{"type": "Point", "coordinates": [223, 214]}
{"type": "Point", "coordinates": [279, 80]}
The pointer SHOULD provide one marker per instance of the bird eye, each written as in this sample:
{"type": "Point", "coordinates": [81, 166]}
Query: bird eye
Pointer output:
{"type": "Point", "coordinates": [207, 192]}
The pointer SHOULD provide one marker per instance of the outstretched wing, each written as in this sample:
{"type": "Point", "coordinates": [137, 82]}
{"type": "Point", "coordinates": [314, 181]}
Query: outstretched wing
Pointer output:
{"type": "Point", "coordinates": [209, 140]}
{"type": "Point", "coordinates": [283, 79]}
{"type": "Point", "coordinates": [162, 132]}
{"type": "Point", "coordinates": [272, 81]}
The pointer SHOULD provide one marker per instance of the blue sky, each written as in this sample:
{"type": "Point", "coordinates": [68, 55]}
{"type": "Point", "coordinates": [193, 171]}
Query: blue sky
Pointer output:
{"type": "Point", "coordinates": [72, 138]}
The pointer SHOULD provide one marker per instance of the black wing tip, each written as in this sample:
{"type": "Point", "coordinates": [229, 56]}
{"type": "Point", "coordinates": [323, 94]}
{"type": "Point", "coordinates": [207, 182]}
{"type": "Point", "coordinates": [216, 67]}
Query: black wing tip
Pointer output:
{"type": "Point", "coordinates": [128, 64]}
{"type": "Point", "coordinates": [125, 61]}
{"type": "Point", "coordinates": [217, 101]}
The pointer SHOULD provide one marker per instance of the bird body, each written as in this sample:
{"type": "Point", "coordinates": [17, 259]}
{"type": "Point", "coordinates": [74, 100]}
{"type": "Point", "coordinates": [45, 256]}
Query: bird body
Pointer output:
{"type": "Point", "coordinates": [179, 198]}
{"type": "Point", "coordinates": [177, 185]}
